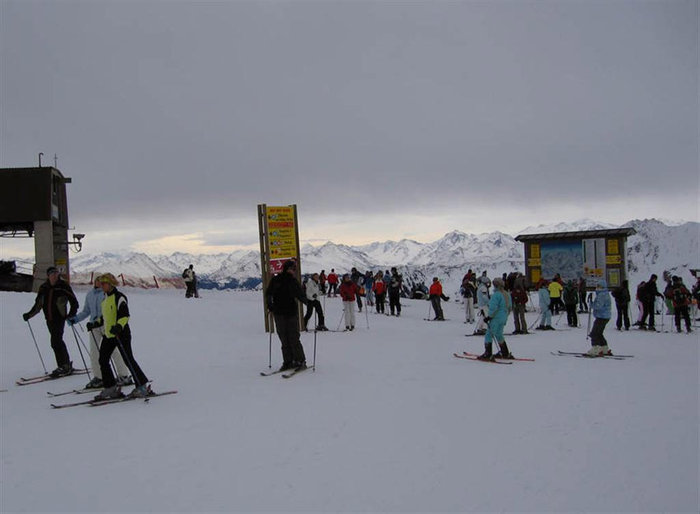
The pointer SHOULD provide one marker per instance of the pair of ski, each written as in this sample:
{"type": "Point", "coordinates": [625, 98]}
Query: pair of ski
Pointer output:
{"type": "Point", "coordinates": [97, 403]}
{"type": "Point", "coordinates": [495, 360]}
{"type": "Point", "coordinates": [287, 373]}
{"type": "Point", "coordinates": [75, 391]}
{"type": "Point", "coordinates": [586, 356]}
{"type": "Point", "coordinates": [43, 378]}
{"type": "Point", "coordinates": [433, 319]}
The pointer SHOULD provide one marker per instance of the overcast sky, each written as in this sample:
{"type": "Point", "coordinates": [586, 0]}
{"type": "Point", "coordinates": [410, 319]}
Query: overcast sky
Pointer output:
{"type": "Point", "coordinates": [380, 120]}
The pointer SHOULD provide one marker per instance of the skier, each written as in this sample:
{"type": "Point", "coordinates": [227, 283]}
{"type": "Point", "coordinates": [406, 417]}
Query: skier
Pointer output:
{"type": "Point", "coordinates": [379, 289]}
{"type": "Point", "coordinates": [322, 281]}
{"type": "Point", "coordinates": [544, 301]}
{"type": "Point", "coordinates": [499, 307]}
{"type": "Point", "coordinates": [555, 289]}
{"type": "Point", "coordinates": [601, 313]}
{"type": "Point", "coordinates": [332, 283]}
{"type": "Point", "coordinates": [680, 296]}
{"type": "Point", "coordinates": [395, 284]}
{"type": "Point", "coordinates": [92, 307]}
{"type": "Point", "coordinates": [696, 297]}
{"type": "Point", "coordinates": [348, 292]}
{"type": "Point", "coordinates": [282, 293]}
{"type": "Point", "coordinates": [53, 298]}
{"type": "Point", "coordinates": [570, 301]}
{"type": "Point", "coordinates": [519, 297]}
{"type": "Point", "coordinates": [313, 291]}
{"type": "Point", "coordinates": [621, 295]}
{"type": "Point", "coordinates": [482, 300]}
{"type": "Point", "coordinates": [582, 305]}
{"type": "Point", "coordinates": [117, 334]}
{"type": "Point", "coordinates": [435, 297]}
{"type": "Point", "coordinates": [468, 291]}
{"type": "Point", "coordinates": [648, 297]}
{"type": "Point", "coordinates": [369, 282]}
{"type": "Point", "coordinates": [189, 277]}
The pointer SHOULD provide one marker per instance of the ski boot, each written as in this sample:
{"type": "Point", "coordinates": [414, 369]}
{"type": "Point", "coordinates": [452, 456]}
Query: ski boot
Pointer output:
{"type": "Point", "coordinates": [504, 353]}
{"type": "Point", "coordinates": [487, 355]}
{"type": "Point", "coordinates": [95, 383]}
{"type": "Point", "coordinates": [110, 393]}
{"type": "Point", "coordinates": [141, 391]}
{"type": "Point", "coordinates": [62, 371]}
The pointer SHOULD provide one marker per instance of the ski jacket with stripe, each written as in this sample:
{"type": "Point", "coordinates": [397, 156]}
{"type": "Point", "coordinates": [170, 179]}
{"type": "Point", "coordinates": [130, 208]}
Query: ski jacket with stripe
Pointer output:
{"type": "Point", "coordinates": [115, 310]}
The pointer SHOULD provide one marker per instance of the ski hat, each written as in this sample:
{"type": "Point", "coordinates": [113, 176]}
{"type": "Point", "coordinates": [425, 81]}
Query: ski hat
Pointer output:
{"type": "Point", "coordinates": [289, 265]}
{"type": "Point", "coordinates": [50, 270]}
{"type": "Point", "coordinates": [108, 278]}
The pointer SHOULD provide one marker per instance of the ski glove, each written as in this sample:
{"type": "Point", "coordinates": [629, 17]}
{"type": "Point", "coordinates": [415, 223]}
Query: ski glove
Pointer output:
{"type": "Point", "coordinates": [26, 316]}
{"type": "Point", "coordinates": [116, 329]}
{"type": "Point", "coordinates": [487, 319]}
{"type": "Point", "coordinates": [71, 321]}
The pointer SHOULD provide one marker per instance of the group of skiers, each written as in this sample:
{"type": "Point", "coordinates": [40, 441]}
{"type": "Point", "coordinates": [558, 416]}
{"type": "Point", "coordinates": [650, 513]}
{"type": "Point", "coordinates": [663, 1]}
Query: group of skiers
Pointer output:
{"type": "Point", "coordinates": [108, 310]}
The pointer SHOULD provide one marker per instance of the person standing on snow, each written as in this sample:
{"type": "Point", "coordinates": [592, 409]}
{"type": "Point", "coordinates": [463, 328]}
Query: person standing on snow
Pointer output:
{"type": "Point", "coordinates": [115, 320]}
{"type": "Point", "coordinates": [482, 300]}
{"type": "Point", "coordinates": [601, 314]}
{"type": "Point", "coordinates": [313, 291]}
{"type": "Point", "coordinates": [436, 295]}
{"type": "Point", "coordinates": [332, 283]}
{"type": "Point", "coordinates": [555, 289]}
{"type": "Point", "coordinates": [379, 290]}
{"type": "Point", "coordinates": [622, 302]}
{"type": "Point", "coordinates": [468, 290]}
{"type": "Point", "coordinates": [282, 294]}
{"type": "Point", "coordinates": [520, 298]}
{"type": "Point", "coordinates": [190, 283]}
{"type": "Point", "coordinates": [499, 307]}
{"type": "Point", "coordinates": [680, 296]}
{"type": "Point", "coordinates": [544, 301]}
{"type": "Point", "coordinates": [570, 296]}
{"type": "Point", "coordinates": [92, 307]}
{"type": "Point", "coordinates": [648, 296]}
{"type": "Point", "coordinates": [395, 284]}
{"type": "Point", "coordinates": [348, 292]}
{"type": "Point", "coordinates": [53, 298]}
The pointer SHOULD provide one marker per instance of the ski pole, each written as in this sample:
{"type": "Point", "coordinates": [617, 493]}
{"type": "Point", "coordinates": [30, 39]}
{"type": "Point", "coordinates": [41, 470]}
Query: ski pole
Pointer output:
{"type": "Point", "coordinates": [127, 361]}
{"type": "Point", "coordinates": [342, 316]}
{"type": "Point", "coordinates": [112, 363]}
{"type": "Point", "coordinates": [37, 347]}
{"type": "Point", "coordinates": [80, 350]}
{"type": "Point", "coordinates": [315, 332]}
{"type": "Point", "coordinates": [588, 328]}
{"type": "Point", "coordinates": [366, 314]}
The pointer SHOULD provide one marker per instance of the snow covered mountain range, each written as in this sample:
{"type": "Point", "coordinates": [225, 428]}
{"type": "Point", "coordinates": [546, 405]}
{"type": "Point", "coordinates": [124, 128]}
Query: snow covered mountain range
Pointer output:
{"type": "Point", "coordinates": [658, 246]}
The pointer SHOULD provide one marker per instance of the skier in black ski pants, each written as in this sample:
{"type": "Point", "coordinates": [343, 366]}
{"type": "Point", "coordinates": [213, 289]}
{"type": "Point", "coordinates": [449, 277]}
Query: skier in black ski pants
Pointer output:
{"type": "Point", "coordinates": [282, 293]}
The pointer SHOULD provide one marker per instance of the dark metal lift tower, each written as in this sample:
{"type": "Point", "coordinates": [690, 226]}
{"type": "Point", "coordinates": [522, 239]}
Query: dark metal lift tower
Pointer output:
{"type": "Point", "coordinates": [33, 203]}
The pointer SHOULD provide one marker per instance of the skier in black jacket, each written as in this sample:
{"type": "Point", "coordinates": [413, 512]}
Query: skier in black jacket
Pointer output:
{"type": "Point", "coordinates": [53, 298]}
{"type": "Point", "coordinates": [282, 294]}
{"type": "Point", "coordinates": [648, 296]}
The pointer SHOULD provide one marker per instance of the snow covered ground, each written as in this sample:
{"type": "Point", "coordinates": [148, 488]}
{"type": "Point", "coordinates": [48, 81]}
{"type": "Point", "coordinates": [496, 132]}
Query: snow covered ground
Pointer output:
{"type": "Point", "coordinates": [389, 421]}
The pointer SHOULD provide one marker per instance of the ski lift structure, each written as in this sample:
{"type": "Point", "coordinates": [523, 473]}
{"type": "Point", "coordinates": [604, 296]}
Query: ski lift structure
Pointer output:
{"type": "Point", "coordinates": [33, 203]}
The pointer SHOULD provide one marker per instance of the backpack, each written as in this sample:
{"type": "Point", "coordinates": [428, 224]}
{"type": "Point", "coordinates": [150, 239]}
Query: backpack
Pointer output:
{"type": "Point", "coordinates": [680, 297]}
{"type": "Point", "coordinates": [184, 273]}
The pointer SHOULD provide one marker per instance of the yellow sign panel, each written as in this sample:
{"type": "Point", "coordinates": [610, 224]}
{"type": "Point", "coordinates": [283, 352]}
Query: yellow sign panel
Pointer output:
{"type": "Point", "coordinates": [613, 247]}
{"type": "Point", "coordinates": [281, 232]}
{"type": "Point", "coordinates": [535, 250]}
{"type": "Point", "coordinates": [534, 262]}
{"type": "Point", "coordinates": [535, 275]}
{"type": "Point", "coordinates": [613, 259]}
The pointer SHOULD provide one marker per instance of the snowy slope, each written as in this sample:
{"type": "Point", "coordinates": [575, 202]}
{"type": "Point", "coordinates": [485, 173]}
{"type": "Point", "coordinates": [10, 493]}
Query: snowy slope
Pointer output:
{"type": "Point", "coordinates": [390, 421]}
